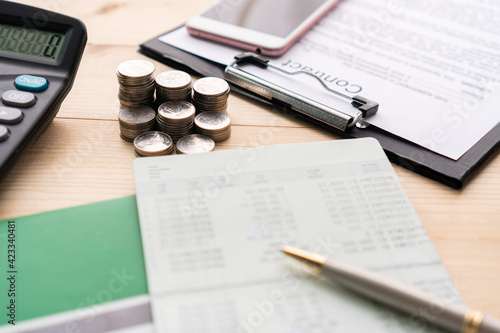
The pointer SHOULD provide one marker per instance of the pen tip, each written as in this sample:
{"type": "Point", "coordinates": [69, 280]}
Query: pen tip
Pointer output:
{"type": "Point", "coordinates": [303, 255]}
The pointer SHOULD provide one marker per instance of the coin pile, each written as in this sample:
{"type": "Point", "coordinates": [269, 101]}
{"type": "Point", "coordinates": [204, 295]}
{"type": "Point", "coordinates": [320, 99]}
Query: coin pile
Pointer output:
{"type": "Point", "coordinates": [184, 107]}
{"type": "Point", "coordinates": [137, 82]}
{"type": "Point", "coordinates": [135, 120]}
{"type": "Point", "coordinates": [210, 94]}
{"type": "Point", "coordinates": [173, 86]}
{"type": "Point", "coordinates": [216, 125]}
{"type": "Point", "coordinates": [176, 118]}
{"type": "Point", "coordinates": [194, 144]}
{"type": "Point", "coordinates": [153, 144]}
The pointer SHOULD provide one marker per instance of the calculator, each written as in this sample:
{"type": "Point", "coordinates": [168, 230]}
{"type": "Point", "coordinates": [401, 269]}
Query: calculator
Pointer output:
{"type": "Point", "coordinates": [40, 52]}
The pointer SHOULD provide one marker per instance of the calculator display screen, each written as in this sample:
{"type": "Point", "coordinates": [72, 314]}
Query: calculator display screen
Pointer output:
{"type": "Point", "coordinates": [33, 42]}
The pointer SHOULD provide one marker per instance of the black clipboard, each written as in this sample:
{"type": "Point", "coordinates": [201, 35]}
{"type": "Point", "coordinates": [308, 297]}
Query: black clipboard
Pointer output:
{"type": "Point", "coordinates": [399, 151]}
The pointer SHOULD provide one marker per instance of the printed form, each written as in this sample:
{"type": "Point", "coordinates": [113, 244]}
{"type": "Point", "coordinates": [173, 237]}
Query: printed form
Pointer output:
{"type": "Point", "coordinates": [434, 66]}
{"type": "Point", "coordinates": [213, 225]}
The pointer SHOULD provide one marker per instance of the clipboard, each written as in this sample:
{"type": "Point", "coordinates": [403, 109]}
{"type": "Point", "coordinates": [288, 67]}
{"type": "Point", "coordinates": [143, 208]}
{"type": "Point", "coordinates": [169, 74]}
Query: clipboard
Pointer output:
{"type": "Point", "coordinates": [236, 75]}
{"type": "Point", "coordinates": [399, 151]}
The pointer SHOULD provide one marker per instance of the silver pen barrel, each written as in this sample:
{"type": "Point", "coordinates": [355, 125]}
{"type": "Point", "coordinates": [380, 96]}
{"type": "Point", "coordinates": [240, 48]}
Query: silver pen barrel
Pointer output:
{"type": "Point", "coordinates": [420, 304]}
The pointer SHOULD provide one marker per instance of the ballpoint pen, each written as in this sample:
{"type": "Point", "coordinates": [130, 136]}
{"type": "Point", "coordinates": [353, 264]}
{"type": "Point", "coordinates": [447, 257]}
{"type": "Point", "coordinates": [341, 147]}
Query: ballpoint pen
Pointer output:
{"type": "Point", "coordinates": [401, 296]}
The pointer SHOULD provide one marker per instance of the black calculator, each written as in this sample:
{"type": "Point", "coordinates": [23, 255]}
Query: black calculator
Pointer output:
{"type": "Point", "coordinates": [40, 52]}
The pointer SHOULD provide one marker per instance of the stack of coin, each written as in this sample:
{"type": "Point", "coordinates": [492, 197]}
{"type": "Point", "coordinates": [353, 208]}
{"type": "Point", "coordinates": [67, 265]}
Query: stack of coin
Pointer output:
{"type": "Point", "coordinates": [176, 118]}
{"type": "Point", "coordinates": [134, 120]}
{"type": "Point", "coordinates": [210, 94]}
{"type": "Point", "coordinates": [215, 125]}
{"type": "Point", "coordinates": [173, 86]}
{"type": "Point", "coordinates": [137, 82]}
{"type": "Point", "coordinates": [153, 144]}
{"type": "Point", "coordinates": [194, 144]}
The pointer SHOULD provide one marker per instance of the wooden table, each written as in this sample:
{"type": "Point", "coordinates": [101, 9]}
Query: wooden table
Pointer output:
{"type": "Point", "coordinates": [81, 158]}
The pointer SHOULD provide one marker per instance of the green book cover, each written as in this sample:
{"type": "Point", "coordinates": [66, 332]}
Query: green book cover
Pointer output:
{"type": "Point", "coordinates": [69, 259]}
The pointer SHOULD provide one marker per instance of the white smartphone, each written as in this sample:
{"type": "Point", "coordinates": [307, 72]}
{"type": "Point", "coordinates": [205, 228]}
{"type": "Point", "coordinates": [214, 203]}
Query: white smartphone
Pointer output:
{"type": "Point", "coordinates": [269, 27]}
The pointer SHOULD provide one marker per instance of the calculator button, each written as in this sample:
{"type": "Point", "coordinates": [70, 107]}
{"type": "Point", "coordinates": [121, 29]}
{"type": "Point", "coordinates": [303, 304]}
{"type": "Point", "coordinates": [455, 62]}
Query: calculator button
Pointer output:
{"type": "Point", "coordinates": [4, 133]}
{"type": "Point", "coordinates": [18, 98]}
{"type": "Point", "coordinates": [31, 83]}
{"type": "Point", "coordinates": [10, 115]}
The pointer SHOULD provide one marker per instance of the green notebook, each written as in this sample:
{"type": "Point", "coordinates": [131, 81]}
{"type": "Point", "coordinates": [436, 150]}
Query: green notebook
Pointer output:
{"type": "Point", "coordinates": [72, 258]}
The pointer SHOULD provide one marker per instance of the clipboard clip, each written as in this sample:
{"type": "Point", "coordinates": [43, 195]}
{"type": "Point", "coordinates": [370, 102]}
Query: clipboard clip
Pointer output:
{"type": "Point", "coordinates": [297, 102]}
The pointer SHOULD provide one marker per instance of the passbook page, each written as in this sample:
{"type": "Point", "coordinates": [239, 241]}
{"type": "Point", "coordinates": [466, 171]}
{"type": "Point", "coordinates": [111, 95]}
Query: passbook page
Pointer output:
{"type": "Point", "coordinates": [213, 225]}
{"type": "Point", "coordinates": [434, 66]}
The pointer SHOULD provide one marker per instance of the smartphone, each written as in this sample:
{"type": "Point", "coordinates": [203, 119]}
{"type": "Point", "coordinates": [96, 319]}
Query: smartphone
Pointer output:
{"type": "Point", "coordinates": [268, 27]}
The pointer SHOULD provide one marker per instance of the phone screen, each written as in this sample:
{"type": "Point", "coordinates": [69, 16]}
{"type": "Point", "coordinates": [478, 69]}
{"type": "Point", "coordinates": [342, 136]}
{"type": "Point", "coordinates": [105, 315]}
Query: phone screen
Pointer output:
{"type": "Point", "coordinates": [273, 17]}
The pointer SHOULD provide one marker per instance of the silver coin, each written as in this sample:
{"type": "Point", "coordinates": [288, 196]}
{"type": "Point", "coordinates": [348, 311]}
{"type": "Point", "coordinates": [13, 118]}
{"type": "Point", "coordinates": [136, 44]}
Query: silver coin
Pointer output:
{"type": "Point", "coordinates": [211, 86]}
{"type": "Point", "coordinates": [176, 110]}
{"type": "Point", "coordinates": [128, 81]}
{"type": "Point", "coordinates": [163, 97]}
{"type": "Point", "coordinates": [176, 118]}
{"type": "Point", "coordinates": [209, 106]}
{"type": "Point", "coordinates": [217, 138]}
{"type": "Point", "coordinates": [210, 98]}
{"type": "Point", "coordinates": [136, 82]}
{"type": "Point", "coordinates": [212, 120]}
{"type": "Point", "coordinates": [133, 132]}
{"type": "Point", "coordinates": [215, 125]}
{"type": "Point", "coordinates": [136, 115]}
{"type": "Point", "coordinates": [195, 144]}
{"type": "Point", "coordinates": [174, 80]}
{"type": "Point", "coordinates": [135, 120]}
{"type": "Point", "coordinates": [153, 143]}
{"type": "Point", "coordinates": [201, 109]}
{"type": "Point", "coordinates": [138, 125]}
{"type": "Point", "coordinates": [126, 138]}
{"type": "Point", "coordinates": [126, 103]}
{"type": "Point", "coordinates": [135, 68]}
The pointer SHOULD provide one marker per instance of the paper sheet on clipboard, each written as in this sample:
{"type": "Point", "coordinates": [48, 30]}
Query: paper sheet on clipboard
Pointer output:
{"type": "Point", "coordinates": [434, 67]}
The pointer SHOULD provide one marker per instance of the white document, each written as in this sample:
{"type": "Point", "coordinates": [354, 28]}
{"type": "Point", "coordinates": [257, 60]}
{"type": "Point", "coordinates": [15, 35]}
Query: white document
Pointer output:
{"type": "Point", "coordinates": [434, 67]}
{"type": "Point", "coordinates": [213, 225]}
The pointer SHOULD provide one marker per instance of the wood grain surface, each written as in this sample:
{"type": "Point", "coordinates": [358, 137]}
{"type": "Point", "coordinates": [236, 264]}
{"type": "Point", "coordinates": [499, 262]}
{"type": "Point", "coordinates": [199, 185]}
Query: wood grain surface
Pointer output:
{"type": "Point", "coordinates": [81, 159]}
